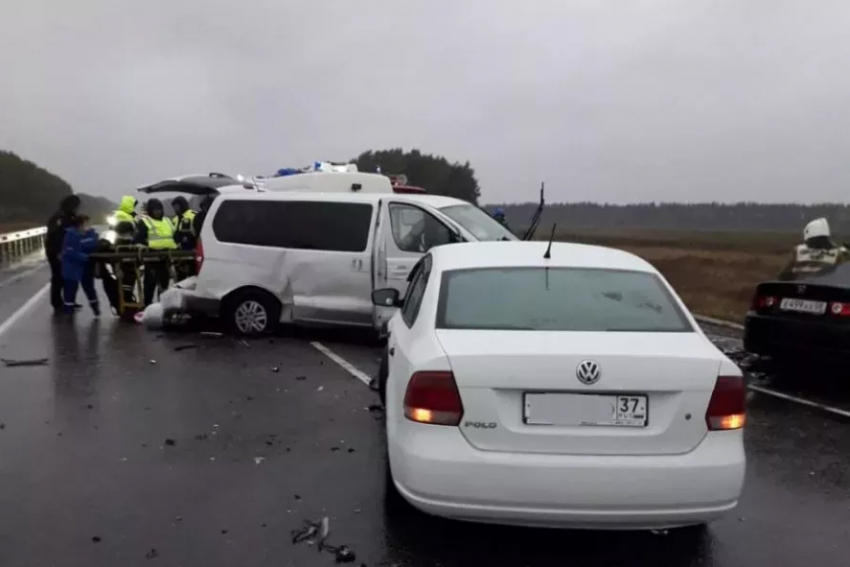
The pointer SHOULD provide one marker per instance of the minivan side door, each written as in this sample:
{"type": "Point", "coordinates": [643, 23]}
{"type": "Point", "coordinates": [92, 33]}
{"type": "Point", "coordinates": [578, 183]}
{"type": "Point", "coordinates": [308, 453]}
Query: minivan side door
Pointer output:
{"type": "Point", "coordinates": [313, 255]}
{"type": "Point", "coordinates": [405, 232]}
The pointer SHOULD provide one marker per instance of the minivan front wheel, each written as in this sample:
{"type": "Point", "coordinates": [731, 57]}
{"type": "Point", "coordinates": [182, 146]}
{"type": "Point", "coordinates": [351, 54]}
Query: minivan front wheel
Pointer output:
{"type": "Point", "coordinates": [252, 313]}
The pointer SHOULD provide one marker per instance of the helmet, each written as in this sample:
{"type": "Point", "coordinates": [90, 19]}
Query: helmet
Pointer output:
{"type": "Point", "coordinates": [816, 228]}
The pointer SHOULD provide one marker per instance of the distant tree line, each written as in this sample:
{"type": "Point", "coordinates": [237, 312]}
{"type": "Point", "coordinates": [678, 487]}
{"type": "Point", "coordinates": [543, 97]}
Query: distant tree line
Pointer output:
{"type": "Point", "coordinates": [433, 173]}
{"type": "Point", "coordinates": [745, 216]}
{"type": "Point", "coordinates": [30, 194]}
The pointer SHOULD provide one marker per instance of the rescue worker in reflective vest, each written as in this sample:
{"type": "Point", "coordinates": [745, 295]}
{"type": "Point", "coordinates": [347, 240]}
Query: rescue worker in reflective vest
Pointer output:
{"type": "Point", "coordinates": [155, 231]}
{"type": "Point", "coordinates": [125, 221]}
{"type": "Point", "coordinates": [125, 234]}
{"type": "Point", "coordinates": [184, 234]}
{"type": "Point", "coordinates": [817, 253]}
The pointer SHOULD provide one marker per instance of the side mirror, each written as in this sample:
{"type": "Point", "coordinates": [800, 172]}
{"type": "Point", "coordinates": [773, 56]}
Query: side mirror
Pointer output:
{"type": "Point", "coordinates": [387, 297]}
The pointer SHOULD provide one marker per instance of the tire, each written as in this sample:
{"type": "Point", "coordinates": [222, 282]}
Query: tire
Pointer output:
{"type": "Point", "coordinates": [383, 373]}
{"type": "Point", "coordinates": [251, 313]}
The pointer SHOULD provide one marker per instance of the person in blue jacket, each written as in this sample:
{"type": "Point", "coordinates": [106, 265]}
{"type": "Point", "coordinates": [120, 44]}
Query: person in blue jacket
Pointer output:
{"type": "Point", "coordinates": [80, 241]}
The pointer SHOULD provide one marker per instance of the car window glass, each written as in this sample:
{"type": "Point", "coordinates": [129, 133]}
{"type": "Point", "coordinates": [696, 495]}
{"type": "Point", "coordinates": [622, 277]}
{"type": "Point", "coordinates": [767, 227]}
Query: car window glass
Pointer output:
{"type": "Point", "coordinates": [478, 222]}
{"type": "Point", "coordinates": [415, 292]}
{"type": "Point", "coordinates": [558, 299]}
{"type": "Point", "coordinates": [310, 225]}
{"type": "Point", "coordinates": [415, 230]}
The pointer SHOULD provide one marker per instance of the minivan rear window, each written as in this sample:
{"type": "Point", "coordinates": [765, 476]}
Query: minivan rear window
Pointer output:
{"type": "Point", "coordinates": [557, 299]}
{"type": "Point", "coordinates": [308, 225]}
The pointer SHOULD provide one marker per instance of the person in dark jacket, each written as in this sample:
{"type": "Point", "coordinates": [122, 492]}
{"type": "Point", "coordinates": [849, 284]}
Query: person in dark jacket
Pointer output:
{"type": "Point", "coordinates": [198, 221]}
{"type": "Point", "coordinates": [53, 245]}
{"type": "Point", "coordinates": [80, 241]}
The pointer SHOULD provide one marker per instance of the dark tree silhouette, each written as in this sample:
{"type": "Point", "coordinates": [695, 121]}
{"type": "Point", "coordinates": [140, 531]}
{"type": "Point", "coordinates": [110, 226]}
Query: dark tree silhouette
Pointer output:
{"type": "Point", "coordinates": [434, 173]}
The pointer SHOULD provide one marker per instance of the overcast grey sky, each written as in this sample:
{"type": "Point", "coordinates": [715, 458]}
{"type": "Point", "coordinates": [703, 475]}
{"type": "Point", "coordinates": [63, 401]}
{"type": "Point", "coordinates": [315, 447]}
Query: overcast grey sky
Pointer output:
{"type": "Point", "coordinates": [605, 100]}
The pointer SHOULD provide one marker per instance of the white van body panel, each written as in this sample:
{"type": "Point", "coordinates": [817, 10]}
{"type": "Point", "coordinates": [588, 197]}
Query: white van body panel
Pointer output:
{"type": "Point", "coordinates": [329, 182]}
{"type": "Point", "coordinates": [322, 286]}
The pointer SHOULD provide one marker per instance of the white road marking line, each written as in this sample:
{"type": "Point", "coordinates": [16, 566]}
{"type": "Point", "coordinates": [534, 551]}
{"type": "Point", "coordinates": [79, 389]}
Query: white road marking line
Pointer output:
{"type": "Point", "coordinates": [347, 366]}
{"type": "Point", "coordinates": [23, 309]}
{"type": "Point", "coordinates": [803, 401]}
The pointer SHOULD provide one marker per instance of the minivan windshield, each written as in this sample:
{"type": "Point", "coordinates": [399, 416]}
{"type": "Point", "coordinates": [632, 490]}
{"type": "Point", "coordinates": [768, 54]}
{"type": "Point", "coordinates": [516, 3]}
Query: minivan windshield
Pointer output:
{"type": "Point", "coordinates": [557, 299]}
{"type": "Point", "coordinates": [480, 224]}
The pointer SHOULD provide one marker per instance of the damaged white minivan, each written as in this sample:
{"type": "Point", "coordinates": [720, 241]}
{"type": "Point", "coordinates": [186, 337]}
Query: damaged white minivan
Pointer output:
{"type": "Point", "coordinates": [314, 257]}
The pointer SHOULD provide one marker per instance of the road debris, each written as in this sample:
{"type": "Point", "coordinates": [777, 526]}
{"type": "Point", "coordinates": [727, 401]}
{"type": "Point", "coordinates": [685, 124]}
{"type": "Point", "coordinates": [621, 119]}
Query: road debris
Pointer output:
{"type": "Point", "coordinates": [184, 347]}
{"type": "Point", "coordinates": [170, 442]}
{"type": "Point", "coordinates": [153, 361]}
{"type": "Point", "coordinates": [350, 449]}
{"type": "Point", "coordinates": [275, 369]}
{"type": "Point", "coordinates": [201, 437]}
{"type": "Point", "coordinates": [320, 388]}
{"type": "Point", "coordinates": [258, 460]}
{"type": "Point", "coordinates": [2, 426]}
{"type": "Point", "coordinates": [375, 407]}
{"type": "Point", "coordinates": [212, 334]}
{"type": "Point", "coordinates": [244, 343]}
{"type": "Point", "coordinates": [152, 554]}
{"type": "Point", "coordinates": [9, 362]}
{"type": "Point", "coordinates": [224, 532]}
{"type": "Point", "coordinates": [96, 539]}
{"type": "Point", "coordinates": [300, 378]}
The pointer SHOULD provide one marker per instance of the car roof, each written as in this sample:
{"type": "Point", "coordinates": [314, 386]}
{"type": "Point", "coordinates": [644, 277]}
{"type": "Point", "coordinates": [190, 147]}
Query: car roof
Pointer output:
{"type": "Point", "coordinates": [432, 200]}
{"type": "Point", "coordinates": [530, 254]}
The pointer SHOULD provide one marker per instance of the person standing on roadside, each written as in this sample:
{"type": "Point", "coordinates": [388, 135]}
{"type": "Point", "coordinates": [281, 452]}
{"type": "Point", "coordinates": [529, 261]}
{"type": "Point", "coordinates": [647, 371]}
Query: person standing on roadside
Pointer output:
{"type": "Point", "coordinates": [184, 235]}
{"type": "Point", "coordinates": [80, 241]}
{"type": "Point", "coordinates": [53, 246]}
{"type": "Point", "coordinates": [155, 231]}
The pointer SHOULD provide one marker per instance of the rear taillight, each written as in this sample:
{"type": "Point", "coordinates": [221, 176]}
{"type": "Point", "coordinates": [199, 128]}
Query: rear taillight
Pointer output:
{"type": "Point", "coordinates": [432, 397]}
{"type": "Point", "coordinates": [840, 309]}
{"type": "Point", "coordinates": [762, 302]}
{"type": "Point", "coordinates": [199, 256]}
{"type": "Point", "coordinates": [726, 409]}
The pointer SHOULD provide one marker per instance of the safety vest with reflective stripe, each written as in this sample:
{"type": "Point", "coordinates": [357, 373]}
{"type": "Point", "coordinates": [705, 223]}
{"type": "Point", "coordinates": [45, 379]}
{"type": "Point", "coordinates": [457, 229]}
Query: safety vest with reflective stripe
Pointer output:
{"type": "Point", "coordinates": [184, 223]}
{"type": "Point", "coordinates": [122, 216]}
{"type": "Point", "coordinates": [811, 260]}
{"type": "Point", "coordinates": [160, 233]}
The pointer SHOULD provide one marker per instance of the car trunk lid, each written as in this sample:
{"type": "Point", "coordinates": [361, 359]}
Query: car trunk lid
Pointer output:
{"type": "Point", "coordinates": [521, 392]}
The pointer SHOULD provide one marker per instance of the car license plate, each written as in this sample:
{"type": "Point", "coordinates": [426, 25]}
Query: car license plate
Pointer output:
{"type": "Point", "coordinates": [586, 410]}
{"type": "Point", "coordinates": [803, 306]}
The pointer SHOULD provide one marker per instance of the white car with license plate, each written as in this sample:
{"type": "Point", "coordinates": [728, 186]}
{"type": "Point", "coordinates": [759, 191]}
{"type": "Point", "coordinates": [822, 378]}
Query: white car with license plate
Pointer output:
{"type": "Point", "coordinates": [569, 391]}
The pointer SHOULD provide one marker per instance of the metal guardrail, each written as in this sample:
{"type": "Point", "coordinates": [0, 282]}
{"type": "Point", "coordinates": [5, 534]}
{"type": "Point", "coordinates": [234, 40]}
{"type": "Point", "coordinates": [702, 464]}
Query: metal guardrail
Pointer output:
{"type": "Point", "coordinates": [16, 245]}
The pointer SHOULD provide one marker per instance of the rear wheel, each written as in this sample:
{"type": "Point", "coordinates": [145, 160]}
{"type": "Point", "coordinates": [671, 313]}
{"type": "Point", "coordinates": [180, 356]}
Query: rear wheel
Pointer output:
{"type": "Point", "coordinates": [251, 313]}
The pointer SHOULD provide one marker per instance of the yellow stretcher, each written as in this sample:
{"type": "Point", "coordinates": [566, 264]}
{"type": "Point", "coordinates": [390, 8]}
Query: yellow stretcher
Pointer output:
{"type": "Point", "coordinates": [131, 259]}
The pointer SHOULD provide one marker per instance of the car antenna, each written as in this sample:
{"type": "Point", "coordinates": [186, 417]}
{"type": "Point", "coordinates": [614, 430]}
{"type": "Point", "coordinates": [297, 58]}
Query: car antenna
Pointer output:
{"type": "Point", "coordinates": [548, 253]}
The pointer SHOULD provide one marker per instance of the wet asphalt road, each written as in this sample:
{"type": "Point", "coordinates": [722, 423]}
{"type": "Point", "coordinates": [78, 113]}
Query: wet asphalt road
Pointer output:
{"type": "Point", "coordinates": [89, 477]}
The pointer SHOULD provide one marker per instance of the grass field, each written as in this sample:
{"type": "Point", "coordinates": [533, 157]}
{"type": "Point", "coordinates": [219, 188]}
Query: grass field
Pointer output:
{"type": "Point", "coordinates": [715, 273]}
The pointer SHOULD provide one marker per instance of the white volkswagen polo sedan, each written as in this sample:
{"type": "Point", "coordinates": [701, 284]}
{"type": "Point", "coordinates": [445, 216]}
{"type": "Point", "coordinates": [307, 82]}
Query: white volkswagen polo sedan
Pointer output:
{"type": "Point", "coordinates": [572, 389]}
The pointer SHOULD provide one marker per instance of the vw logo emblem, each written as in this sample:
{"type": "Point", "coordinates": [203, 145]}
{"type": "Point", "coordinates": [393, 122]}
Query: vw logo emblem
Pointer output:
{"type": "Point", "coordinates": [588, 372]}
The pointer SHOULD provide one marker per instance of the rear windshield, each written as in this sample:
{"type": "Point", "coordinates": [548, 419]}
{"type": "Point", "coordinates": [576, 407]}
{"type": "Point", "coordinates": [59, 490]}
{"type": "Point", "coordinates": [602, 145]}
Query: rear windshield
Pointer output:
{"type": "Point", "coordinates": [557, 299]}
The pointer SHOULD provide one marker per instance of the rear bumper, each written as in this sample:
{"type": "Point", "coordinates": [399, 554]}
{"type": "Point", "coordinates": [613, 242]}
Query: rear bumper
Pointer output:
{"type": "Point", "coordinates": [437, 471]}
{"type": "Point", "coordinates": [774, 336]}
